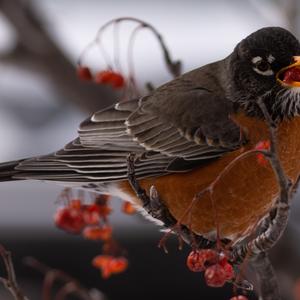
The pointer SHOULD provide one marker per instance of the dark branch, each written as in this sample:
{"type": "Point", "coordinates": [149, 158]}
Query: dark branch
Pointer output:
{"type": "Point", "coordinates": [70, 284]}
{"type": "Point", "coordinates": [36, 51]}
{"type": "Point", "coordinates": [10, 282]}
{"type": "Point", "coordinates": [266, 277]}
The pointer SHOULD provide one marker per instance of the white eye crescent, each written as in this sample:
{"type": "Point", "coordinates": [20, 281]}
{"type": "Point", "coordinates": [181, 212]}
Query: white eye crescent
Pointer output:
{"type": "Point", "coordinates": [262, 66]}
{"type": "Point", "coordinates": [256, 59]}
{"type": "Point", "coordinates": [264, 73]}
{"type": "Point", "coordinates": [270, 58]}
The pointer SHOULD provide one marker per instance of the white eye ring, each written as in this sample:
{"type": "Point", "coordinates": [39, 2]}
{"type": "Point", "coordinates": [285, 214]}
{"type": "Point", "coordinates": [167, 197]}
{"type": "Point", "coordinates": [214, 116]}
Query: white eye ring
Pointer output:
{"type": "Point", "coordinates": [256, 60]}
{"type": "Point", "coordinates": [270, 58]}
{"type": "Point", "coordinates": [264, 73]}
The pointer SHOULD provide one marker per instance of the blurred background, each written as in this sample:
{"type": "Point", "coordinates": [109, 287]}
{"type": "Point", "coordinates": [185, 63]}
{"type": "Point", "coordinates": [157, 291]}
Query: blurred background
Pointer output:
{"type": "Point", "coordinates": [42, 102]}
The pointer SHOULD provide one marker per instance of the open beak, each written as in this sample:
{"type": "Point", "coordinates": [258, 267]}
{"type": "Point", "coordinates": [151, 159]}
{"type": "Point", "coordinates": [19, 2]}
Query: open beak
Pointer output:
{"type": "Point", "coordinates": [290, 76]}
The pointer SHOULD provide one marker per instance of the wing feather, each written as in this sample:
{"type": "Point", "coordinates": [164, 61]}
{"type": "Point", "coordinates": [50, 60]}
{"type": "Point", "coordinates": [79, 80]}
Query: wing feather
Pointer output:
{"type": "Point", "coordinates": [140, 126]}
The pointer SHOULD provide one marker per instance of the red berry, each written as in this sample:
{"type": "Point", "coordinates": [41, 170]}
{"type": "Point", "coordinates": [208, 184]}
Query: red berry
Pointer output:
{"type": "Point", "coordinates": [97, 233]}
{"type": "Point", "coordinates": [84, 73]}
{"type": "Point", "coordinates": [239, 297]}
{"type": "Point", "coordinates": [91, 214]}
{"type": "Point", "coordinates": [127, 208]}
{"type": "Point", "coordinates": [118, 265]}
{"type": "Point", "coordinates": [262, 145]}
{"type": "Point", "coordinates": [215, 276]}
{"type": "Point", "coordinates": [229, 271]}
{"type": "Point", "coordinates": [116, 80]}
{"type": "Point", "coordinates": [75, 203]}
{"type": "Point", "coordinates": [110, 265]}
{"type": "Point", "coordinates": [69, 219]}
{"type": "Point", "coordinates": [103, 77]}
{"type": "Point", "coordinates": [102, 262]}
{"type": "Point", "coordinates": [198, 260]}
{"type": "Point", "coordinates": [292, 75]}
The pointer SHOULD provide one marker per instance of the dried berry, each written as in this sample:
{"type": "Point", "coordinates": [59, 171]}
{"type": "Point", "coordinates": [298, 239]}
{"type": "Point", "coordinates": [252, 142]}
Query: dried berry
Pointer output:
{"type": "Point", "coordinates": [69, 219]}
{"type": "Point", "coordinates": [262, 145]}
{"type": "Point", "coordinates": [229, 271]}
{"type": "Point", "coordinates": [110, 265]}
{"type": "Point", "coordinates": [198, 260]}
{"type": "Point", "coordinates": [215, 276]}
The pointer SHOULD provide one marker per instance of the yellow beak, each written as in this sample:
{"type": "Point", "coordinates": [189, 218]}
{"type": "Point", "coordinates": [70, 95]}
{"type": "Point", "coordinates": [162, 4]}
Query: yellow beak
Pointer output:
{"type": "Point", "coordinates": [295, 64]}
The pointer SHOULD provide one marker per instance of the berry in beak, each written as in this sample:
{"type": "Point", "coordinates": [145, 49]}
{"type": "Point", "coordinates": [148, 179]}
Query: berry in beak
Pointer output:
{"type": "Point", "coordinates": [290, 75]}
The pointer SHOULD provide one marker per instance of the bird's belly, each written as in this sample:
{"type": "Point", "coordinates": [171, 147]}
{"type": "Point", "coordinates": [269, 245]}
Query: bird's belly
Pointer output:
{"type": "Point", "coordinates": [242, 196]}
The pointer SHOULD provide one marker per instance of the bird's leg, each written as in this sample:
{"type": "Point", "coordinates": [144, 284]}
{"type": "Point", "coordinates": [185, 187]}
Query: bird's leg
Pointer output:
{"type": "Point", "coordinates": [272, 229]}
{"type": "Point", "coordinates": [152, 203]}
{"type": "Point", "coordinates": [156, 208]}
{"type": "Point", "coordinates": [267, 221]}
{"type": "Point", "coordinates": [256, 250]}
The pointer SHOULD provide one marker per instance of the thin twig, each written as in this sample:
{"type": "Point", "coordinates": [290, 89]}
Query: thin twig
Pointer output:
{"type": "Point", "coordinates": [174, 67]}
{"type": "Point", "coordinates": [155, 208]}
{"type": "Point", "coordinates": [45, 58]}
{"type": "Point", "coordinates": [267, 240]}
{"type": "Point", "coordinates": [10, 282]}
{"type": "Point", "coordinates": [70, 284]}
{"type": "Point", "coordinates": [274, 225]}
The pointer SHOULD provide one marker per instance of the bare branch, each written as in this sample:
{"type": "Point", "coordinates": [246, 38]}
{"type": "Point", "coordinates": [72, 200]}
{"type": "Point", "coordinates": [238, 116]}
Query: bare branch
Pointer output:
{"type": "Point", "coordinates": [10, 282]}
{"type": "Point", "coordinates": [267, 239]}
{"type": "Point", "coordinates": [70, 284]}
{"type": "Point", "coordinates": [266, 277]}
{"type": "Point", "coordinates": [37, 52]}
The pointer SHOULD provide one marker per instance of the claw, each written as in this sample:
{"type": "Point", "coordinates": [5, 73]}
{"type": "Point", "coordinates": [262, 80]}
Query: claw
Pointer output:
{"type": "Point", "coordinates": [154, 198]}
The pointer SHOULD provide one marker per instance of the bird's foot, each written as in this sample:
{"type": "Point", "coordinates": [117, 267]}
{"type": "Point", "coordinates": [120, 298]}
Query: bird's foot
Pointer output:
{"type": "Point", "coordinates": [155, 207]}
{"type": "Point", "coordinates": [152, 202]}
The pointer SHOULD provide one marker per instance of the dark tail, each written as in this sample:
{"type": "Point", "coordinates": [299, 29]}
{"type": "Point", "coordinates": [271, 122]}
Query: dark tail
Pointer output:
{"type": "Point", "coordinates": [8, 171]}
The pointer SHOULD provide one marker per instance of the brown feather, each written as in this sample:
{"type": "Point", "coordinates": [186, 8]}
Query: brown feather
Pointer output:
{"type": "Point", "coordinates": [243, 195]}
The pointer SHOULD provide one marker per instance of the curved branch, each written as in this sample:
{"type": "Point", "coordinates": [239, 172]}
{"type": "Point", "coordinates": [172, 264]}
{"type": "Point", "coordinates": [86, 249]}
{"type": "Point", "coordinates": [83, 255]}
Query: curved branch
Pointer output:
{"type": "Point", "coordinates": [36, 51]}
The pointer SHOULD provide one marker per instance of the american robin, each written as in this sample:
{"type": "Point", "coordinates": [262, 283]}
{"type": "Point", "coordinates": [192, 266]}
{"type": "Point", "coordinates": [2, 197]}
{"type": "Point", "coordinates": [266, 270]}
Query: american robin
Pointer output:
{"type": "Point", "coordinates": [186, 132]}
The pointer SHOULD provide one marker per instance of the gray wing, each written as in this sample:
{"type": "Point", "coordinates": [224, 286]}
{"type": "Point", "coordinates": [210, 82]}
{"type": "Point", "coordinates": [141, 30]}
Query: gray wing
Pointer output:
{"type": "Point", "coordinates": [181, 118]}
{"type": "Point", "coordinates": [149, 128]}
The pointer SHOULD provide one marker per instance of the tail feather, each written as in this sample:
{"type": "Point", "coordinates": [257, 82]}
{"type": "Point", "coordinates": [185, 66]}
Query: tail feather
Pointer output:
{"type": "Point", "coordinates": [8, 171]}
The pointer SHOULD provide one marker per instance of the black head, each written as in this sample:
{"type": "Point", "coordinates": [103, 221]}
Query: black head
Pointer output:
{"type": "Point", "coordinates": [255, 66]}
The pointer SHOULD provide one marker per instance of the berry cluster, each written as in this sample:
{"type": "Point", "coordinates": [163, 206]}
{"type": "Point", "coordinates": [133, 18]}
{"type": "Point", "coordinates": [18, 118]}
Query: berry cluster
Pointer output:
{"type": "Point", "coordinates": [91, 220]}
{"type": "Point", "coordinates": [216, 267]}
{"type": "Point", "coordinates": [217, 270]}
{"type": "Point", "coordinates": [107, 77]}
{"type": "Point", "coordinates": [77, 217]}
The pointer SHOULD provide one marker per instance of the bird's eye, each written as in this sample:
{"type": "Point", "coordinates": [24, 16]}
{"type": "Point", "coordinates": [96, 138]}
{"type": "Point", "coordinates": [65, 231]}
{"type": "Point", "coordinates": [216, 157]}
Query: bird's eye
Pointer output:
{"type": "Point", "coordinates": [262, 66]}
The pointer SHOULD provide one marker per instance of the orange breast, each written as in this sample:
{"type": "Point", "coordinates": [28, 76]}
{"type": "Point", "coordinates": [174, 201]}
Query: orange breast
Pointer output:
{"type": "Point", "coordinates": [242, 196]}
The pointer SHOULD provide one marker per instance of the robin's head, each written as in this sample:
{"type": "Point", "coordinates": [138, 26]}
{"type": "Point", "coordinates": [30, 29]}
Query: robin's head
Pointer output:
{"type": "Point", "coordinates": [267, 64]}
